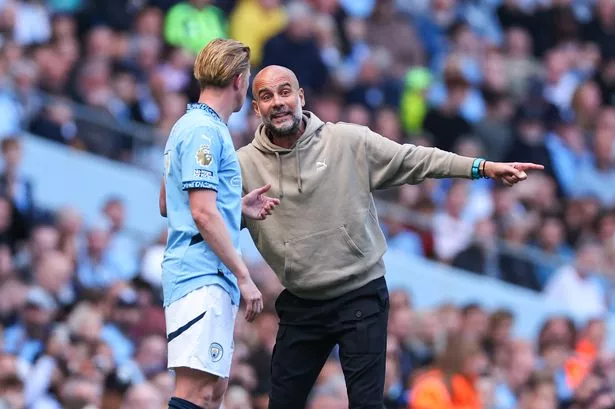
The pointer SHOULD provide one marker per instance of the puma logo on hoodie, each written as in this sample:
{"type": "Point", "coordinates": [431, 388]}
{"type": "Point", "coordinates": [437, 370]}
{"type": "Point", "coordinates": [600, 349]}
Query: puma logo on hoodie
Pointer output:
{"type": "Point", "coordinates": [324, 239]}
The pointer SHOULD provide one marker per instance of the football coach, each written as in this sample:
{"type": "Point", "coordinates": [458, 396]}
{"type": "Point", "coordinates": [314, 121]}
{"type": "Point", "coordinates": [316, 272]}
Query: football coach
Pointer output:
{"type": "Point", "coordinates": [324, 242]}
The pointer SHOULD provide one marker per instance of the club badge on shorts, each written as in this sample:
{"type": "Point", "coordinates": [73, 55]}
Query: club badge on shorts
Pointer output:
{"type": "Point", "coordinates": [215, 352]}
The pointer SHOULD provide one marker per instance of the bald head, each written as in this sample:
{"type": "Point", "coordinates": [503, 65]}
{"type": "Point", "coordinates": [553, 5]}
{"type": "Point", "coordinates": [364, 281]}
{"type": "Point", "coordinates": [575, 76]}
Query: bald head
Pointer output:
{"type": "Point", "coordinates": [278, 102]}
{"type": "Point", "coordinates": [274, 74]}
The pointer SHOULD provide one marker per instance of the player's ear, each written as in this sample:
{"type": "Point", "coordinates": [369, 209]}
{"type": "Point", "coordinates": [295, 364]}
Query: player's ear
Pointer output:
{"type": "Point", "coordinates": [237, 81]}
{"type": "Point", "coordinates": [302, 97]}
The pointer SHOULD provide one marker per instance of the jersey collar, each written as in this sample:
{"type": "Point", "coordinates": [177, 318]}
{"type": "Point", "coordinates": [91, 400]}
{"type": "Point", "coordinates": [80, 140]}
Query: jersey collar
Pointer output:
{"type": "Point", "coordinates": [204, 107]}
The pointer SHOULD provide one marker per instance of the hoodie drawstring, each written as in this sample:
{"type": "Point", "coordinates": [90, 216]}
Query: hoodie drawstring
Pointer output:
{"type": "Point", "coordinates": [299, 181]}
{"type": "Point", "coordinates": [264, 148]}
{"type": "Point", "coordinates": [277, 156]}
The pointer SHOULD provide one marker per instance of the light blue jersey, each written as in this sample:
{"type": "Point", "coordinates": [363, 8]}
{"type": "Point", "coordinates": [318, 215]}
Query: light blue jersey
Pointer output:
{"type": "Point", "coordinates": [199, 154]}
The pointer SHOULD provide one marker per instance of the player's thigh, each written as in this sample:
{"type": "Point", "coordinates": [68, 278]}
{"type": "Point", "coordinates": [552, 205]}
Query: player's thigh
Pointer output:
{"type": "Point", "coordinates": [362, 341]}
{"type": "Point", "coordinates": [200, 330]}
{"type": "Point", "coordinates": [298, 357]}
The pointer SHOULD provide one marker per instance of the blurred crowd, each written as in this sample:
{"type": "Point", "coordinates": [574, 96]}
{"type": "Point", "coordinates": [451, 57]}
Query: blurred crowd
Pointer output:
{"type": "Point", "coordinates": [515, 80]}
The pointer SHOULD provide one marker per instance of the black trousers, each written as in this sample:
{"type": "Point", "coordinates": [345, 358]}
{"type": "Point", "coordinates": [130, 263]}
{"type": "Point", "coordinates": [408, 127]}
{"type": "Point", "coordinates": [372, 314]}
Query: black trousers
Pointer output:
{"type": "Point", "coordinates": [309, 330]}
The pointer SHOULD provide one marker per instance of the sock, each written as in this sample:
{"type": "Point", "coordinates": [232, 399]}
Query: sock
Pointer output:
{"type": "Point", "coordinates": [178, 403]}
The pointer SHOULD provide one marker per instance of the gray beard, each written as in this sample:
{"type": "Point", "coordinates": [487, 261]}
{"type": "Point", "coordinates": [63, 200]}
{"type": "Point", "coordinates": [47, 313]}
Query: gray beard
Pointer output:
{"type": "Point", "coordinates": [284, 133]}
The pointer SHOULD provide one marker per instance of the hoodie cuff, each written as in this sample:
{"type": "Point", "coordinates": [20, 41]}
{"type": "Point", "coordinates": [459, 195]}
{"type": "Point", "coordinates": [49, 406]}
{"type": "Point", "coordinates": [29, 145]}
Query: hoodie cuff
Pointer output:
{"type": "Point", "coordinates": [461, 167]}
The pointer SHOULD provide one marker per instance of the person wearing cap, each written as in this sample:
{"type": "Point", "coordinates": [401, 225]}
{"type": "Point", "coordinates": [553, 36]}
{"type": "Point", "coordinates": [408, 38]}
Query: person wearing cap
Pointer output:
{"type": "Point", "coordinates": [531, 127]}
{"type": "Point", "coordinates": [324, 241]}
{"type": "Point", "coordinates": [125, 316]}
{"type": "Point", "coordinates": [27, 337]}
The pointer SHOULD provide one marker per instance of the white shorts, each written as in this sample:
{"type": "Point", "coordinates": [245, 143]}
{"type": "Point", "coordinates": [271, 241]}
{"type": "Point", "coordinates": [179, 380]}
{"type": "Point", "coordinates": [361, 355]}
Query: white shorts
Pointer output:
{"type": "Point", "coordinates": [200, 329]}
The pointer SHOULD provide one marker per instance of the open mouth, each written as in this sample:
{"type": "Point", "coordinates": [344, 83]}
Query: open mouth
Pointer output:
{"type": "Point", "coordinates": [281, 115]}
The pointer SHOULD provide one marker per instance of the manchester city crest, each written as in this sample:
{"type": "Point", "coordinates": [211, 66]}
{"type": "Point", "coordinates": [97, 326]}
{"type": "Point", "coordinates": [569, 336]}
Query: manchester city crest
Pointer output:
{"type": "Point", "coordinates": [215, 352]}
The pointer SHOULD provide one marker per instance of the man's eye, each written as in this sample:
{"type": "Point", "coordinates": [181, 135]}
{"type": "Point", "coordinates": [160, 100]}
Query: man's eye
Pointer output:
{"type": "Point", "coordinates": [266, 97]}
{"type": "Point", "coordinates": [285, 93]}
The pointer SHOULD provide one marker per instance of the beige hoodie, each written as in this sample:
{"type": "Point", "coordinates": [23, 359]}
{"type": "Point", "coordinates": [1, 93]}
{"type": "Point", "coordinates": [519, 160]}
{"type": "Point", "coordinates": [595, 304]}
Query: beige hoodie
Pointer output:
{"type": "Point", "coordinates": [324, 239]}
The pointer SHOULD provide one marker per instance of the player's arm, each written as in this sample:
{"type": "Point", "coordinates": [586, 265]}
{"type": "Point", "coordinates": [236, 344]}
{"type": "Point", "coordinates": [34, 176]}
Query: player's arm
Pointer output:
{"type": "Point", "coordinates": [162, 199]}
{"type": "Point", "coordinates": [200, 156]}
{"type": "Point", "coordinates": [214, 231]}
{"type": "Point", "coordinates": [211, 225]}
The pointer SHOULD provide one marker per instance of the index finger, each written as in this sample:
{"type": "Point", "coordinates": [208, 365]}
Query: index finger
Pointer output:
{"type": "Point", "coordinates": [529, 166]}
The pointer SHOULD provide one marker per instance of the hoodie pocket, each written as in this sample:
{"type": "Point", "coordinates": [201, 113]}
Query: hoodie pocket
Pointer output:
{"type": "Point", "coordinates": [316, 260]}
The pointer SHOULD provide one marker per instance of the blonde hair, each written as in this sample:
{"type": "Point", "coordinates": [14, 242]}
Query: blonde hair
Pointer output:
{"type": "Point", "coordinates": [220, 61]}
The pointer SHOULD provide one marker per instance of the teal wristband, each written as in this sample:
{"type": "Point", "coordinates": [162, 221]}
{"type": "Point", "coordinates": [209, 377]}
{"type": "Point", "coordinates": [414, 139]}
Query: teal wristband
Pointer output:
{"type": "Point", "coordinates": [476, 168]}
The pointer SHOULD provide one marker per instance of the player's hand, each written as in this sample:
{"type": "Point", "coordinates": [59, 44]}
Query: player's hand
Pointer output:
{"type": "Point", "coordinates": [252, 297]}
{"type": "Point", "coordinates": [509, 173]}
{"type": "Point", "coordinates": [255, 205]}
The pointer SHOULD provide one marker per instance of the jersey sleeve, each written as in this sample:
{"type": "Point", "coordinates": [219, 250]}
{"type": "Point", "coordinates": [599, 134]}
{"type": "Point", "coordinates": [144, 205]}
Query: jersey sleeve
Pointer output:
{"type": "Point", "coordinates": [200, 154]}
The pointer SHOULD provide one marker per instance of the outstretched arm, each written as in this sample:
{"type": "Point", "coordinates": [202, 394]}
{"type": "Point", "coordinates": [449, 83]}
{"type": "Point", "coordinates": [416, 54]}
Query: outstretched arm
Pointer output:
{"type": "Point", "coordinates": [391, 164]}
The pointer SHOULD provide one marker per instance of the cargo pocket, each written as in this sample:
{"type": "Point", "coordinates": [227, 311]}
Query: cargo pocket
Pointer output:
{"type": "Point", "coordinates": [365, 326]}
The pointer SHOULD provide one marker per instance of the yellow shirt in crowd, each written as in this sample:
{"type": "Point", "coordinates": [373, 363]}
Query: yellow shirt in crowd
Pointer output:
{"type": "Point", "coordinates": [253, 25]}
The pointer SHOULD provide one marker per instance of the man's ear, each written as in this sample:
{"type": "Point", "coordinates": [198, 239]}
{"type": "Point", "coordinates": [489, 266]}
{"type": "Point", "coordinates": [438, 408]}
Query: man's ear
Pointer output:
{"type": "Point", "coordinates": [302, 97]}
{"type": "Point", "coordinates": [237, 81]}
{"type": "Point", "coordinates": [255, 107]}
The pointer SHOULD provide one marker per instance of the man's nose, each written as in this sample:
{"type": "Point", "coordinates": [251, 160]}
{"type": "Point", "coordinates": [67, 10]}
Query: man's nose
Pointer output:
{"type": "Point", "coordinates": [277, 101]}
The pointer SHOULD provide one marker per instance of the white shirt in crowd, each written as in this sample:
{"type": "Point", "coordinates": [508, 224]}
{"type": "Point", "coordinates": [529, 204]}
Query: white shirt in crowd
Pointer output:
{"type": "Point", "coordinates": [451, 235]}
{"type": "Point", "coordinates": [582, 297]}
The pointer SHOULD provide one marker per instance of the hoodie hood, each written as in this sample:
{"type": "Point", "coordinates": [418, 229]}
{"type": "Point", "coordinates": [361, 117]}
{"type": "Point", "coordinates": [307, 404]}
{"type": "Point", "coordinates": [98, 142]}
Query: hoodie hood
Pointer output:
{"type": "Point", "coordinates": [261, 141]}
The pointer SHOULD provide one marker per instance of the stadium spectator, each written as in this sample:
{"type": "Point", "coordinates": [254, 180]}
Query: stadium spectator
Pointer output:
{"type": "Point", "coordinates": [451, 383]}
{"type": "Point", "coordinates": [517, 371]}
{"type": "Point", "coordinates": [245, 24]}
{"type": "Point", "coordinates": [26, 338]}
{"type": "Point", "coordinates": [119, 330]}
{"type": "Point", "coordinates": [575, 287]}
{"type": "Point", "coordinates": [56, 122]}
{"type": "Point", "coordinates": [42, 238]}
{"type": "Point", "coordinates": [13, 183]}
{"type": "Point", "coordinates": [296, 48]}
{"type": "Point", "coordinates": [54, 273]}
{"type": "Point", "coordinates": [69, 224]}
{"type": "Point", "coordinates": [375, 88]}
{"type": "Point", "coordinates": [95, 270]}
{"type": "Point", "coordinates": [445, 122]}
{"type": "Point", "coordinates": [494, 130]}
{"type": "Point", "coordinates": [123, 251]}
{"type": "Point", "coordinates": [387, 28]}
{"type": "Point", "coordinates": [80, 393]}
{"type": "Point", "coordinates": [480, 257]}
{"type": "Point", "coordinates": [538, 392]}
{"type": "Point", "coordinates": [143, 396]}
{"type": "Point", "coordinates": [452, 233]}
{"type": "Point", "coordinates": [595, 180]}
{"type": "Point", "coordinates": [194, 23]}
